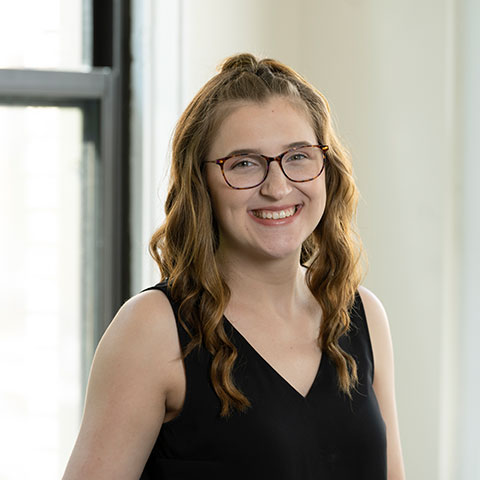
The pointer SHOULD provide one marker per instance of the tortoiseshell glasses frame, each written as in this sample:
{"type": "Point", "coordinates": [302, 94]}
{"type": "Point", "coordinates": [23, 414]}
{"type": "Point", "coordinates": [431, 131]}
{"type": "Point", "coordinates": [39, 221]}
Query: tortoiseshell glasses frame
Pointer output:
{"type": "Point", "coordinates": [221, 162]}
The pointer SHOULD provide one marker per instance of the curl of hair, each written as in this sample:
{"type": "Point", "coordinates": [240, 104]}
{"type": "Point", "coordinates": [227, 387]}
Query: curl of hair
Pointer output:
{"type": "Point", "coordinates": [184, 246]}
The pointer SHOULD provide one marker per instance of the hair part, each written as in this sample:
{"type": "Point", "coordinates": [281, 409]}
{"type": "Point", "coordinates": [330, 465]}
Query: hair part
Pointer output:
{"type": "Point", "coordinates": [185, 246]}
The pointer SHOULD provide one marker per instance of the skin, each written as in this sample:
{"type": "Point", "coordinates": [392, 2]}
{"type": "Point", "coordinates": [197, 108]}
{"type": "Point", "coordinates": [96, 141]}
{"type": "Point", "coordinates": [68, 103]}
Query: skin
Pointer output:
{"type": "Point", "coordinates": [137, 380]}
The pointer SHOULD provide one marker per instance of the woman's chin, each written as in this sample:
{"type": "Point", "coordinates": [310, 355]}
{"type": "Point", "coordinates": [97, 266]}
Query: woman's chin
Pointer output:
{"type": "Point", "coordinates": [278, 252]}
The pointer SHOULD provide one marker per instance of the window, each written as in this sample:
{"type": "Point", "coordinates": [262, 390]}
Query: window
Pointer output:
{"type": "Point", "coordinates": [63, 204]}
{"type": "Point", "coordinates": [51, 34]}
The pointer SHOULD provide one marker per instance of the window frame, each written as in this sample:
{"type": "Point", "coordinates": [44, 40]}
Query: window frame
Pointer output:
{"type": "Point", "coordinates": [104, 89]}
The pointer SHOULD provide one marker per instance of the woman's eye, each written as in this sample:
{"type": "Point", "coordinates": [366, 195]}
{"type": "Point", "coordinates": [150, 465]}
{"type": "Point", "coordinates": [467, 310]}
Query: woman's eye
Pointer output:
{"type": "Point", "coordinates": [297, 156]}
{"type": "Point", "coordinates": [244, 163]}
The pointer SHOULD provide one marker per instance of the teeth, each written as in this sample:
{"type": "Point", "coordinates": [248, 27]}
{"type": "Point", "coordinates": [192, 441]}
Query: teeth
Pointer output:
{"type": "Point", "coordinates": [275, 215]}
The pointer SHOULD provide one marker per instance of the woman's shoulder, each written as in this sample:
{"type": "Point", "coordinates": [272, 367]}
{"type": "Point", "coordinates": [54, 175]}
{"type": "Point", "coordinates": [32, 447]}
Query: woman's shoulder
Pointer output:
{"type": "Point", "coordinates": [149, 307]}
{"type": "Point", "coordinates": [141, 338]}
{"type": "Point", "coordinates": [374, 309]}
{"type": "Point", "coordinates": [145, 321]}
{"type": "Point", "coordinates": [379, 330]}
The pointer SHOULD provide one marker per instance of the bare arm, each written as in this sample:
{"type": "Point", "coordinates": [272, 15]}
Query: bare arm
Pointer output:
{"type": "Point", "coordinates": [128, 384]}
{"type": "Point", "coordinates": [384, 383]}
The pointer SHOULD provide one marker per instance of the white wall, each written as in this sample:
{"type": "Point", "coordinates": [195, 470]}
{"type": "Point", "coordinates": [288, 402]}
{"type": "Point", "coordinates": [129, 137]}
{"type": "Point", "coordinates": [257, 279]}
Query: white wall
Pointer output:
{"type": "Point", "coordinates": [469, 426]}
{"type": "Point", "coordinates": [387, 70]}
{"type": "Point", "coordinates": [156, 105]}
{"type": "Point", "coordinates": [392, 74]}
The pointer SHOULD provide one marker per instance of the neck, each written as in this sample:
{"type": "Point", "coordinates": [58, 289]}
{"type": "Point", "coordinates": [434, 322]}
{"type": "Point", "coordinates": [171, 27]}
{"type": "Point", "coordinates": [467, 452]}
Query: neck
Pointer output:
{"type": "Point", "coordinates": [276, 286]}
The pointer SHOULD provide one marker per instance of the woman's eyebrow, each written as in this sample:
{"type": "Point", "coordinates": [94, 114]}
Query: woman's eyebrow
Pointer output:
{"type": "Point", "coordinates": [239, 151]}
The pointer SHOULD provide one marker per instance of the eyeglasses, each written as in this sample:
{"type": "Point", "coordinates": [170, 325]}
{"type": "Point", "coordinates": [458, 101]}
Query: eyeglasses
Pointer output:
{"type": "Point", "coordinates": [249, 170]}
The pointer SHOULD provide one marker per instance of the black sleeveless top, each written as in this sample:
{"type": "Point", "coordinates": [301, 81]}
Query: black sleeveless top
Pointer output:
{"type": "Point", "coordinates": [283, 436]}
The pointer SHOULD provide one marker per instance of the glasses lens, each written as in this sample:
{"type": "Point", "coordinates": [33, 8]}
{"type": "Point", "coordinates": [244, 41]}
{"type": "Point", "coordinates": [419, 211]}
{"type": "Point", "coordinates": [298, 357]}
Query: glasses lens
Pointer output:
{"type": "Point", "coordinates": [243, 171]}
{"type": "Point", "coordinates": [303, 163]}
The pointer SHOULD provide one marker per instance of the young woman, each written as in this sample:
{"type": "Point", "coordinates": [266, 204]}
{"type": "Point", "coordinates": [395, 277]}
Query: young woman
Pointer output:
{"type": "Point", "coordinates": [259, 355]}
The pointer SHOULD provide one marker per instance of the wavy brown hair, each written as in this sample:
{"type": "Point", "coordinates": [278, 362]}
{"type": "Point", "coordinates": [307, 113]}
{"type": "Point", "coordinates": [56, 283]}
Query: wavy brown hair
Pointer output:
{"type": "Point", "coordinates": [184, 247]}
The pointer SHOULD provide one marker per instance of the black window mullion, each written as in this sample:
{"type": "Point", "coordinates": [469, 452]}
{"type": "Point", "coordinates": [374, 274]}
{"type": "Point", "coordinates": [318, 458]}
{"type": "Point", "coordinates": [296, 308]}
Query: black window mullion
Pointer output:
{"type": "Point", "coordinates": [111, 48]}
{"type": "Point", "coordinates": [103, 33]}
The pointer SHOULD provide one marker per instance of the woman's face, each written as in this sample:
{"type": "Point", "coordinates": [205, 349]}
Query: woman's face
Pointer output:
{"type": "Point", "coordinates": [269, 128]}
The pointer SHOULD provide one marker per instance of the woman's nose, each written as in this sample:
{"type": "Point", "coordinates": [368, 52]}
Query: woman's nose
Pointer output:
{"type": "Point", "coordinates": [276, 185]}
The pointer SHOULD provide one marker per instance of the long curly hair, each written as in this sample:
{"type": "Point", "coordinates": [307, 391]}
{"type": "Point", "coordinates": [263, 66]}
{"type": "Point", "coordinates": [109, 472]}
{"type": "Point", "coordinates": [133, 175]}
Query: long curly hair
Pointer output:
{"type": "Point", "coordinates": [185, 246]}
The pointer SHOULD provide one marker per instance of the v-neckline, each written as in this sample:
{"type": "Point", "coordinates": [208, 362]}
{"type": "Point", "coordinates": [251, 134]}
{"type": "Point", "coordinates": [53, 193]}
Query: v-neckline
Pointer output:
{"type": "Point", "coordinates": [275, 372]}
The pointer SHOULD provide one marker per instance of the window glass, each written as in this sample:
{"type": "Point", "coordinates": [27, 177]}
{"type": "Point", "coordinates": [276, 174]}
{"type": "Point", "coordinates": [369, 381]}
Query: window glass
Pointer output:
{"type": "Point", "coordinates": [42, 192]}
{"type": "Point", "coordinates": [47, 34]}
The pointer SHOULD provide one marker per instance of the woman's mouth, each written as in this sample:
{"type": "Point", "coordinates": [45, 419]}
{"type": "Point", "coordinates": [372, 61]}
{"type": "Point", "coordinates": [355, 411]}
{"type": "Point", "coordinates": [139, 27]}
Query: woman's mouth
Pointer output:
{"type": "Point", "coordinates": [275, 214]}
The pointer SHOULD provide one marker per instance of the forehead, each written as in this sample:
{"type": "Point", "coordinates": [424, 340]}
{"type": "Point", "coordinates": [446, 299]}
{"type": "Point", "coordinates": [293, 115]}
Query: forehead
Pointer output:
{"type": "Point", "coordinates": [270, 124]}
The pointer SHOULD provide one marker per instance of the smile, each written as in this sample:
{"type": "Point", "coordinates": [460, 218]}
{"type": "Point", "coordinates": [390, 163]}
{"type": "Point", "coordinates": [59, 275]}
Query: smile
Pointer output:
{"type": "Point", "coordinates": [275, 214]}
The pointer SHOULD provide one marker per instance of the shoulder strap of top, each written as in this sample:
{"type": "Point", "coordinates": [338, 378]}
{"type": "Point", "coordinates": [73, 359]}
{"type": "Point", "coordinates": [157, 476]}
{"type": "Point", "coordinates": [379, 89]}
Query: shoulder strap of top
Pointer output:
{"type": "Point", "coordinates": [359, 333]}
